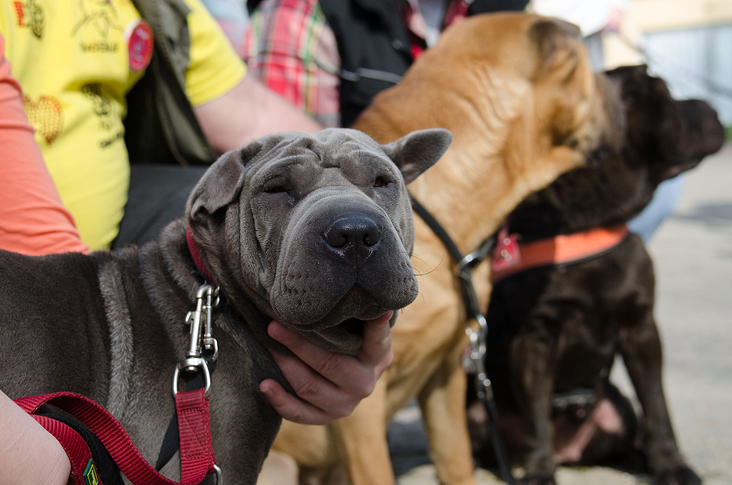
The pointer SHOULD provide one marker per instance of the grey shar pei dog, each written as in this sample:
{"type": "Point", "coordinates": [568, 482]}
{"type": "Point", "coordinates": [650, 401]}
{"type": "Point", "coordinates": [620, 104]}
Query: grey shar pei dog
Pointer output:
{"type": "Point", "coordinates": [315, 231]}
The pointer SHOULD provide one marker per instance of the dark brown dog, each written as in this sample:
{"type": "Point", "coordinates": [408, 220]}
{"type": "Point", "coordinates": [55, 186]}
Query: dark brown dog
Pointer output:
{"type": "Point", "coordinates": [555, 330]}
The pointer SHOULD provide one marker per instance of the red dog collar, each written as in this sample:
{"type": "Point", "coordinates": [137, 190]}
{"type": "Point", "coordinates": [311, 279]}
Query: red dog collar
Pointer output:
{"type": "Point", "coordinates": [510, 256]}
{"type": "Point", "coordinates": [196, 255]}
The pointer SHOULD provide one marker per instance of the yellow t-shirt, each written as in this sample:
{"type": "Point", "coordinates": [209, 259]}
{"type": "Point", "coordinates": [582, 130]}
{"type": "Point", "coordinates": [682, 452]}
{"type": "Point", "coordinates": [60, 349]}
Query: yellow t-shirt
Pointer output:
{"type": "Point", "coordinates": [72, 60]}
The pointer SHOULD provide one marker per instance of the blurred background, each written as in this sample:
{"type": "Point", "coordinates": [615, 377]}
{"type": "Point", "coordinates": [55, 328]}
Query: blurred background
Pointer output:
{"type": "Point", "coordinates": [688, 43]}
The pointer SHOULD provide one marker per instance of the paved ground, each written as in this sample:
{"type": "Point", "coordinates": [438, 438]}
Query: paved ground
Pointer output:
{"type": "Point", "coordinates": [692, 252]}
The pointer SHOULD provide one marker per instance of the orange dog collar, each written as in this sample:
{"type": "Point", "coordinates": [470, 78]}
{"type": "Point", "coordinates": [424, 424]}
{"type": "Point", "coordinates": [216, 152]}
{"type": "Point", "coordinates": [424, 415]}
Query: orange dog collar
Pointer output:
{"type": "Point", "coordinates": [510, 256]}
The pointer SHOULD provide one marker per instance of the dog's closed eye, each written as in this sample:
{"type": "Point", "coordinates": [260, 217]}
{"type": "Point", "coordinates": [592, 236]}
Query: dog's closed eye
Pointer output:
{"type": "Point", "coordinates": [277, 189]}
{"type": "Point", "coordinates": [381, 182]}
{"type": "Point", "coordinates": [280, 191]}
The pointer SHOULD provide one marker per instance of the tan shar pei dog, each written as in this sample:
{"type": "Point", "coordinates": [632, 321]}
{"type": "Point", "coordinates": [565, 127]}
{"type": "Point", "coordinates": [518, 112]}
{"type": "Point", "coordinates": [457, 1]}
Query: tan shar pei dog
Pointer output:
{"type": "Point", "coordinates": [519, 96]}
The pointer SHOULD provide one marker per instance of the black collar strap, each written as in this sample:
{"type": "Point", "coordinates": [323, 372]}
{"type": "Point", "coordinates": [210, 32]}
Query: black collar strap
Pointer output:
{"type": "Point", "coordinates": [465, 264]}
{"type": "Point", "coordinates": [465, 267]}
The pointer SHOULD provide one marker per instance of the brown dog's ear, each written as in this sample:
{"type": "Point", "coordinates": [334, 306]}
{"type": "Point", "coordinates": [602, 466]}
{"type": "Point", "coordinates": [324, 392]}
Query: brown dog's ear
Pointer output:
{"type": "Point", "coordinates": [632, 82]}
{"type": "Point", "coordinates": [416, 152]}
{"type": "Point", "coordinates": [222, 182]}
{"type": "Point", "coordinates": [554, 37]}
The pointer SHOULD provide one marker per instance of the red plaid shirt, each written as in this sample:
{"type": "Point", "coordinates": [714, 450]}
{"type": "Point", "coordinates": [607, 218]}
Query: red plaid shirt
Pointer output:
{"type": "Point", "coordinates": [291, 48]}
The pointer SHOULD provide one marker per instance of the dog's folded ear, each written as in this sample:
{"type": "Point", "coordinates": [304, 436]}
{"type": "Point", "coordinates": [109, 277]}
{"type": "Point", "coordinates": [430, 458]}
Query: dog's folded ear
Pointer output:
{"type": "Point", "coordinates": [555, 40]}
{"type": "Point", "coordinates": [416, 152]}
{"type": "Point", "coordinates": [221, 183]}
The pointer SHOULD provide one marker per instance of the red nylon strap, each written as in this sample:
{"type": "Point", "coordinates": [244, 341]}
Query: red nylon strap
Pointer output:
{"type": "Point", "coordinates": [73, 444]}
{"type": "Point", "coordinates": [194, 431]}
{"type": "Point", "coordinates": [196, 255]}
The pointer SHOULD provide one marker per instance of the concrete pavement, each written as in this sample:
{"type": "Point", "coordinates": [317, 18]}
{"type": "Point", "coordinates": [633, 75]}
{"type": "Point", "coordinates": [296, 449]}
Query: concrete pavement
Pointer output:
{"type": "Point", "coordinates": [692, 253]}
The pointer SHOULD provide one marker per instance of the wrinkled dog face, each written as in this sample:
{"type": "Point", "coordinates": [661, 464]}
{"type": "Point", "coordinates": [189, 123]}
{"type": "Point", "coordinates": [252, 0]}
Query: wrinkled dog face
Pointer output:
{"type": "Point", "coordinates": [322, 231]}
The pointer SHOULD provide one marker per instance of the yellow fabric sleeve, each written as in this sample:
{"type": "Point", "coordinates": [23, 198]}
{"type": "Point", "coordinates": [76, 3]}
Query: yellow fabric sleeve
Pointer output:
{"type": "Point", "coordinates": [214, 67]}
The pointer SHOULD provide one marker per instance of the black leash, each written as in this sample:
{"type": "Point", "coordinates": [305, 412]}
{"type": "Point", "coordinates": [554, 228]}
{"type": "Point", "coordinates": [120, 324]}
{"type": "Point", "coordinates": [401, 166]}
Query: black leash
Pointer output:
{"type": "Point", "coordinates": [475, 364]}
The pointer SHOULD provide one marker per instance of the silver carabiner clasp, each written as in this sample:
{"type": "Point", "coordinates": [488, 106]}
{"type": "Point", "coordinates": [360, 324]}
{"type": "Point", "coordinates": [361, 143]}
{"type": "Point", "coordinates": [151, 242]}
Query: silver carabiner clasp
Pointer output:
{"type": "Point", "coordinates": [219, 478]}
{"type": "Point", "coordinates": [201, 322]}
{"type": "Point", "coordinates": [212, 300]}
{"type": "Point", "coordinates": [191, 364]}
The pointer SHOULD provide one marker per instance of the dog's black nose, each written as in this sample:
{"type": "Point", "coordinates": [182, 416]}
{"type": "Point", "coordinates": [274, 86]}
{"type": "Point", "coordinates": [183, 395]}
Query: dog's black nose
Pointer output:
{"type": "Point", "coordinates": [354, 235]}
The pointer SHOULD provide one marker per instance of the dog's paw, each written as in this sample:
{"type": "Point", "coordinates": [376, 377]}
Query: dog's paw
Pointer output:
{"type": "Point", "coordinates": [679, 476]}
{"type": "Point", "coordinates": [536, 481]}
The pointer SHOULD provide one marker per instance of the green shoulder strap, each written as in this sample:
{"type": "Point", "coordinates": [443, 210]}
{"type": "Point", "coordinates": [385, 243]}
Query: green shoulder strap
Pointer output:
{"type": "Point", "coordinates": [157, 107]}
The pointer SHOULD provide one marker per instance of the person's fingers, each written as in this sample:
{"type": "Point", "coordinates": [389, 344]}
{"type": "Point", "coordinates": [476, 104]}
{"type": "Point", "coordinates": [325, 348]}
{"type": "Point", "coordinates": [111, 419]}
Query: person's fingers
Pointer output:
{"type": "Point", "coordinates": [322, 361]}
{"type": "Point", "coordinates": [377, 350]}
{"type": "Point", "coordinates": [290, 407]}
{"type": "Point", "coordinates": [316, 389]}
{"type": "Point", "coordinates": [318, 400]}
{"type": "Point", "coordinates": [328, 385]}
{"type": "Point", "coordinates": [356, 376]}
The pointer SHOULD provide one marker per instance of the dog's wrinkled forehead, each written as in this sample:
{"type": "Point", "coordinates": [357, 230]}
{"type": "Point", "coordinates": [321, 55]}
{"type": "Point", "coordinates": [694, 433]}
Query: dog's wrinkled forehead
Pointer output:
{"type": "Point", "coordinates": [329, 147]}
{"type": "Point", "coordinates": [326, 158]}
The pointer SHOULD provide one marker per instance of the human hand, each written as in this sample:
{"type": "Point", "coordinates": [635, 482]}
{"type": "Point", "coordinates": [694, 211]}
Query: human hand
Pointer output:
{"type": "Point", "coordinates": [28, 453]}
{"type": "Point", "coordinates": [329, 385]}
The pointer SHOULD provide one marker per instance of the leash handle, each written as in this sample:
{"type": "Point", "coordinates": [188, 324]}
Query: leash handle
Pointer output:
{"type": "Point", "coordinates": [197, 457]}
{"type": "Point", "coordinates": [75, 447]}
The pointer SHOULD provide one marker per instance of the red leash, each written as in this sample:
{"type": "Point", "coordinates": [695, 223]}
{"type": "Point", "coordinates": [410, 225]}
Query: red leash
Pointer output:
{"type": "Point", "coordinates": [197, 456]}
{"type": "Point", "coordinates": [192, 413]}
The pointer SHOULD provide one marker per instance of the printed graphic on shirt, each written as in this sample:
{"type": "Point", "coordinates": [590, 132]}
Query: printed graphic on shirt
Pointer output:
{"type": "Point", "coordinates": [45, 115]}
{"type": "Point", "coordinates": [30, 15]}
{"type": "Point", "coordinates": [98, 18]}
{"type": "Point", "coordinates": [103, 107]}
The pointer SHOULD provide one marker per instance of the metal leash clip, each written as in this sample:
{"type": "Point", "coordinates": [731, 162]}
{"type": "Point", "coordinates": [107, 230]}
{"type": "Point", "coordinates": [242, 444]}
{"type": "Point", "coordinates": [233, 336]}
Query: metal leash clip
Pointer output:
{"type": "Point", "coordinates": [207, 298]}
{"type": "Point", "coordinates": [474, 361]}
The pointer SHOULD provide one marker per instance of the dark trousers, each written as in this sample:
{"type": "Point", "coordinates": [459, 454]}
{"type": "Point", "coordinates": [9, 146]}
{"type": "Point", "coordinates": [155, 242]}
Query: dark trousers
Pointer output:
{"type": "Point", "coordinates": [157, 196]}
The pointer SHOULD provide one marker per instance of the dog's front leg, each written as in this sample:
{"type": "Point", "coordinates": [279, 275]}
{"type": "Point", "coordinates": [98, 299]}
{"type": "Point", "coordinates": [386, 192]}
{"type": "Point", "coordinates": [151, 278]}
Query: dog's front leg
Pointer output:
{"type": "Point", "coordinates": [532, 380]}
{"type": "Point", "coordinates": [443, 408]}
{"type": "Point", "coordinates": [361, 440]}
{"type": "Point", "coordinates": [643, 358]}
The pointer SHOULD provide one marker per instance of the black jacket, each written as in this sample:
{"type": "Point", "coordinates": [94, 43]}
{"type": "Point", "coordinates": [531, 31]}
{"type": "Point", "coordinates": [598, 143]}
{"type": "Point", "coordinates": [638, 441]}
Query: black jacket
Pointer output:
{"type": "Point", "coordinates": [374, 46]}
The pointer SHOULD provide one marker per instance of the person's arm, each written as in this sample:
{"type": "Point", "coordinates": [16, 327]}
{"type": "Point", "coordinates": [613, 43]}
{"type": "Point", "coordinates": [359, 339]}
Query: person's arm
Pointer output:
{"type": "Point", "coordinates": [32, 218]}
{"type": "Point", "coordinates": [328, 385]}
{"type": "Point", "coordinates": [28, 453]}
{"type": "Point", "coordinates": [230, 105]}
{"type": "Point", "coordinates": [247, 112]}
